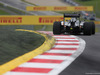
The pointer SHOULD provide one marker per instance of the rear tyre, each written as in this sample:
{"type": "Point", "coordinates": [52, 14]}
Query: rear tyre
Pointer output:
{"type": "Point", "coordinates": [87, 28]}
{"type": "Point", "coordinates": [93, 28]}
{"type": "Point", "coordinates": [57, 28]}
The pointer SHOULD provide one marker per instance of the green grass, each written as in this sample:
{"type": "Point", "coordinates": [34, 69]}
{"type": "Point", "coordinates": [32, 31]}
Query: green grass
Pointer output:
{"type": "Point", "coordinates": [62, 12]}
{"type": "Point", "coordinates": [16, 43]}
{"type": "Point", "coordinates": [38, 27]}
{"type": "Point", "coordinates": [97, 28]}
{"type": "Point", "coordinates": [17, 11]}
{"type": "Point", "coordinates": [95, 3]}
{"type": "Point", "coordinates": [49, 28]}
{"type": "Point", "coordinates": [3, 12]}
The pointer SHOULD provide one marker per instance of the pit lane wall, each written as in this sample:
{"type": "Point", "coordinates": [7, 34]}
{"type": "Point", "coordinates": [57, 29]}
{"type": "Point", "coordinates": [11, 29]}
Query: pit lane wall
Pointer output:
{"type": "Point", "coordinates": [48, 43]}
{"type": "Point", "coordinates": [31, 20]}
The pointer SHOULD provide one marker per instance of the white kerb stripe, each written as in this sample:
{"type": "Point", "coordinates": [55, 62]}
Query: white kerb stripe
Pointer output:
{"type": "Point", "coordinates": [23, 73]}
{"type": "Point", "coordinates": [60, 51]}
{"type": "Point", "coordinates": [64, 36]}
{"type": "Point", "coordinates": [65, 46]}
{"type": "Point", "coordinates": [67, 39]}
{"type": "Point", "coordinates": [51, 57]}
{"type": "Point", "coordinates": [38, 65]}
{"type": "Point", "coordinates": [67, 42]}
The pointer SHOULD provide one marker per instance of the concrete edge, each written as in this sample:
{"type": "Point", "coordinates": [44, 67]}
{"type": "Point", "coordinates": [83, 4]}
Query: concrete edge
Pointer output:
{"type": "Point", "coordinates": [48, 43]}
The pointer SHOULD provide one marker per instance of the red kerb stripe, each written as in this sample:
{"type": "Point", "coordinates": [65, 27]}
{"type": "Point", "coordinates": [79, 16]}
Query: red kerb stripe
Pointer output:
{"type": "Point", "coordinates": [32, 70]}
{"type": "Point", "coordinates": [61, 35]}
{"type": "Point", "coordinates": [46, 61]}
{"type": "Point", "coordinates": [67, 40]}
{"type": "Point", "coordinates": [63, 48]}
{"type": "Point", "coordinates": [58, 54]}
{"type": "Point", "coordinates": [66, 44]}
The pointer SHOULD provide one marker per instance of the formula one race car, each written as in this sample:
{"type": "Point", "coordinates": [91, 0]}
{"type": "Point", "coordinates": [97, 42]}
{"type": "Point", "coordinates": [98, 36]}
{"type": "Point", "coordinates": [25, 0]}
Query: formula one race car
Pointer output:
{"type": "Point", "coordinates": [73, 26]}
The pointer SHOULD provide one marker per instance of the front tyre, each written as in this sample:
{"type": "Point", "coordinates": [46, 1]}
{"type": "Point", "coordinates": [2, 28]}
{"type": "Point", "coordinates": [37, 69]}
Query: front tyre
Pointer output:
{"type": "Point", "coordinates": [57, 28]}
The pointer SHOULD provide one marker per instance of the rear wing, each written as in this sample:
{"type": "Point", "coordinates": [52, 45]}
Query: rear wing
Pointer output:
{"type": "Point", "coordinates": [72, 15]}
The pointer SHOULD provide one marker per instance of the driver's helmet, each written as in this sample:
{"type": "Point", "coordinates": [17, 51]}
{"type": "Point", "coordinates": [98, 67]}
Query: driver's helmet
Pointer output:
{"type": "Point", "coordinates": [73, 19]}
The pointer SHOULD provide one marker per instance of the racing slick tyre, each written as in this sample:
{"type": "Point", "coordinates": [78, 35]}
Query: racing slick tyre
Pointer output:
{"type": "Point", "coordinates": [57, 28]}
{"type": "Point", "coordinates": [93, 28]}
{"type": "Point", "coordinates": [87, 28]}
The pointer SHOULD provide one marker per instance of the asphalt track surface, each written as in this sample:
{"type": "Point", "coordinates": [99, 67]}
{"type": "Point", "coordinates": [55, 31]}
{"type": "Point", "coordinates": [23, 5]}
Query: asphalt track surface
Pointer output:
{"type": "Point", "coordinates": [88, 63]}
